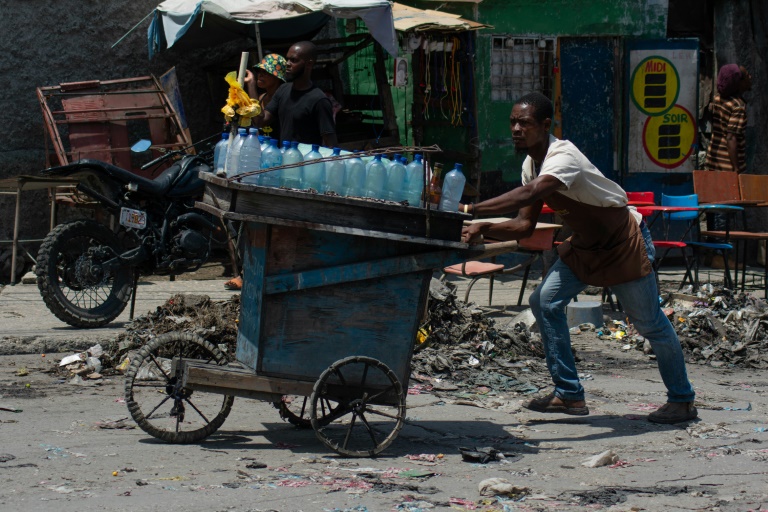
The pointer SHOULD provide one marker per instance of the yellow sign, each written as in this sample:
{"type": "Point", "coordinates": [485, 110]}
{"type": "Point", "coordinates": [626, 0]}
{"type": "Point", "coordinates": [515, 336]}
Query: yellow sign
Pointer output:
{"type": "Point", "coordinates": [668, 139]}
{"type": "Point", "coordinates": [655, 86]}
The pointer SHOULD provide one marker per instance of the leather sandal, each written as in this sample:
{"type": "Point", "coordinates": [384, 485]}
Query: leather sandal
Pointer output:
{"type": "Point", "coordinates": [553, 404]}
{"type": "Point", "coordinates": [236, 283]}
{"type": "Point", "coordinates": [674, 412]}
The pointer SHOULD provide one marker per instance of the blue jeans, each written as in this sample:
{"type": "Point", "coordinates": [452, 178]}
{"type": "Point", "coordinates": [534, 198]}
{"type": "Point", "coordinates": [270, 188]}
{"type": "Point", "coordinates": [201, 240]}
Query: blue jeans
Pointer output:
{"type": "Point", "coordinates": [641, 304]}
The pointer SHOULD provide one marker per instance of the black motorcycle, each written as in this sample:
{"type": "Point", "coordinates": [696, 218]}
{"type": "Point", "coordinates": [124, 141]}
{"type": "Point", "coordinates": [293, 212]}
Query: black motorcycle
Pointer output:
{"type": "Point", "coordinates": [87, 271]}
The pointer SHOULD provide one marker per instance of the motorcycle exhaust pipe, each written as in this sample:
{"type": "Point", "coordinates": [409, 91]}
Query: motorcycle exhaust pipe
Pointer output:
{"type": "Point", "coordinates": [195, 220]}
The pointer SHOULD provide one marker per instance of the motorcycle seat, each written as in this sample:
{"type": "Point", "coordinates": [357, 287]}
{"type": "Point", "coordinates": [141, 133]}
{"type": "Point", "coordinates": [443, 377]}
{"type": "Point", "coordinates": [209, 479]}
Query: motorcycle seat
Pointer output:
{"type": "Point", "coordinates": [158, 186]}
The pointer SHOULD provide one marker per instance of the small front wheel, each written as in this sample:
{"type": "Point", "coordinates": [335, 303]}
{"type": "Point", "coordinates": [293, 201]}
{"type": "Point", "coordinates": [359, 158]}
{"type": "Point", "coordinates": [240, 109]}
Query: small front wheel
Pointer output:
{"type": "Point", "coordinates": [368, 406]}
{"type": "Point", "coordinates": [155, 396]}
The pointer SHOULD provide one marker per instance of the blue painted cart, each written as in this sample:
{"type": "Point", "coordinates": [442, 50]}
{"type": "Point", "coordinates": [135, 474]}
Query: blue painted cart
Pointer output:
{"type": "Point", "coordinates": [334, 291]}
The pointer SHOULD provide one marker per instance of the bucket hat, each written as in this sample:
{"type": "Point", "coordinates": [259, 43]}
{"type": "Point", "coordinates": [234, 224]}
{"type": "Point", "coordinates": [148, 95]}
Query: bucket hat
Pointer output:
{"type": "Point", "coordinates": [273, 64]}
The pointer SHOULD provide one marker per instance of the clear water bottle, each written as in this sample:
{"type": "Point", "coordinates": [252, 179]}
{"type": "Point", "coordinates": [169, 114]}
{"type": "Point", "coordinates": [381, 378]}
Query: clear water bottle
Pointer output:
{"type": "Point", "coordinates": [233, 155]}
{"type": "Point", "coordinates": [414, 181]}
{"type": "Point", "coordinates": [354, 177]}
{"type": "Point", "coordinates": [395, 185]}
{"type": "Point", "coordinates": [292, 177]}
{"type": "Point", "coordinates": [334, 174]}
{"type": "Point", "coordinates": [250, 157]}
{"type": "Point", "coordinates": [453, 188]}
{"type": "Point", "coordinates": [394, 159]}
{"type": "Point", "coordinates": [375, 179]}
{"type": "Point", "coordinates": [220, 154]}
{"type": "Point", "coordinates": [271, 157]}
{"type": "Point", "coordinates": [314, 173]}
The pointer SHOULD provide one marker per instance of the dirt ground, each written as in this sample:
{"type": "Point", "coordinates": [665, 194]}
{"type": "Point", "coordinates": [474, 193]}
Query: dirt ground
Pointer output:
{"type": "Point", "coordinates": [70, 447]}
{"type": "Point", "coordinates": [69, 443]}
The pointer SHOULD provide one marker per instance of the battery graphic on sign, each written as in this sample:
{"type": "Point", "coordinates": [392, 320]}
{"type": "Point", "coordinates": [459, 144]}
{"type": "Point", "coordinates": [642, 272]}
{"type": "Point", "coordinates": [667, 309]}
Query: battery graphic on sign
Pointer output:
{"type": "Point", "coordinates": [669, 139]}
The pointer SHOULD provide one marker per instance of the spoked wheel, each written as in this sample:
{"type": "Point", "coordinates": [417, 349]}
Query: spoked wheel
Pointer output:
{"type": "Point", "coordinates": [296, 410]}
{"type": "Point", "coordinates": [155, 396]}
{"type": "Point", "coordinates": [74, 277]}
{"type": "Point", "coordinates": [368, 406]}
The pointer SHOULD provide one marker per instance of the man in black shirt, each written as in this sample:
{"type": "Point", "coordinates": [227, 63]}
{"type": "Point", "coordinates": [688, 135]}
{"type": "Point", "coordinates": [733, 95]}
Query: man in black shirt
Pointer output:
{"type": "Point", "coordinates": [302, 110]}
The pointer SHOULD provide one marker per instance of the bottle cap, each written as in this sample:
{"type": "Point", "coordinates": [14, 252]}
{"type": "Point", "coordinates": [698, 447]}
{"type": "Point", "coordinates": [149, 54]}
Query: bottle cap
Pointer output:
{"type": "Point", "coordinates": [241, 130]}
{"type": "Point", "coordinates": [315, 147]}
{"type": "Point", "coordinates": [225, 135]}
{"type": "Point", "coordinates": [295, 144]}
{"type": "Point", "coordinates": [458, 166]}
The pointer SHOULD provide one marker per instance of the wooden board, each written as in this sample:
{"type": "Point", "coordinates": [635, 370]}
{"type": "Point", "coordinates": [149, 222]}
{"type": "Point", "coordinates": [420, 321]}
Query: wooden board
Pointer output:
{"type": "Point", "coordinates": [355, 300]}
{"type": "Point", "coordinates": [716, 186]}
{"type": "Point", "coordinates": [345, 212]}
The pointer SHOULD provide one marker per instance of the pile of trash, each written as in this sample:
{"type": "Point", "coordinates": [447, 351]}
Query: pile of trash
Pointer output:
{"type": "Point", "coordinates": [216, 321]}
{"type": "Point", "coordinates": [723, 329]}
{"type": "Point", "coordinates": [84, 365]}
{"type": "Point", "coordinates": [716, 327]}
{"type": "Point", "coordinates": [460, 344]}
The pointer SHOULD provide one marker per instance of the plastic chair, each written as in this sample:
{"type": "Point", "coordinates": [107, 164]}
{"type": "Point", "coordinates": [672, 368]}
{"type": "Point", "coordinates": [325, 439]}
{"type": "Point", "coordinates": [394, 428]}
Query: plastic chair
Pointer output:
{"type": "Point", "coordinates": [477, 270]}
{"type": "Point", "coordinates": [641, 197]}
{"type": "Point", "coordinates": [692, 234]}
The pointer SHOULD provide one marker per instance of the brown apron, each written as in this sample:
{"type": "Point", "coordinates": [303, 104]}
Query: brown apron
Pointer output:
{"type": "Point", "coordinates": [607, 246]}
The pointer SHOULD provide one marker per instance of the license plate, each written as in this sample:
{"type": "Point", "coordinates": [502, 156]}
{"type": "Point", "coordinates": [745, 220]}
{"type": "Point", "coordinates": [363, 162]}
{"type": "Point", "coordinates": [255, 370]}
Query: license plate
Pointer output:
{"type": "Point", "coordinates": [133, 218]}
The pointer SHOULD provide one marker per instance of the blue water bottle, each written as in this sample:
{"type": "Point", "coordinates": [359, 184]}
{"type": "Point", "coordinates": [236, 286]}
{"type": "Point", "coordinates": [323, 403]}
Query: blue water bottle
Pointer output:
{"type": "Point", "coordinates": [220, 154]}
{"type": "Point", "coordinates": [292, 177]}
{"type": "Point", "coordinates": [453, 189]}
{"type": "Point", "coordinates": [375, 179]}
{"type": "Point", "coordinates": [334, 174]}
{"type": "Point", "coordinates": [354, 177]}
{"type": "Point", "coordinates": [314, 173]}
{"type": "Point", "coordinates": [414, 181]}
{"type": "Point", "coordinates": [271, 157]}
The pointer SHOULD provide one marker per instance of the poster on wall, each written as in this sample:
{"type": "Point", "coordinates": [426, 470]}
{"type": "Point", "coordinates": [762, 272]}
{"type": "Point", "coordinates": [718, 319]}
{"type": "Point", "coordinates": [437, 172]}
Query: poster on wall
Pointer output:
{"type": "Point", "coordinates": [662, 105]}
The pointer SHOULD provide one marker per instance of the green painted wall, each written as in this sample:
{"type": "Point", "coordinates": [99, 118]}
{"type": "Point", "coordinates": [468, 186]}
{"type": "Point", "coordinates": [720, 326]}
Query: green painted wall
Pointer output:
{"type": "Point", "coordinates": [645, 19]}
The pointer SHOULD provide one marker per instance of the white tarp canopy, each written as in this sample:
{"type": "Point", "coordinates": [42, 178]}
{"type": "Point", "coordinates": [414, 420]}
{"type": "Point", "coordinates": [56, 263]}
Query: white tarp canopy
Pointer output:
{"type": "Point", "coordinates": [201, 23]}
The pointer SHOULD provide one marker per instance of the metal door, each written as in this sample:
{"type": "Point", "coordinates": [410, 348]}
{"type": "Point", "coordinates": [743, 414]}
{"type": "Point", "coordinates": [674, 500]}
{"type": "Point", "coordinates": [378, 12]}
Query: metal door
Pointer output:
{"type": "Point", "coordinates": [588, 99]}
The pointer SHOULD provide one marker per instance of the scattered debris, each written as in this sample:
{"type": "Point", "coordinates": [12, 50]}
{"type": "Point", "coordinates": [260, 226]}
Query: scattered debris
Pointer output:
{"type": "Point", "coordinates": [601, 459]}
{"type": "Point", "coordinates": [501, 487]}
{"type": "Point", "coordinates": [487, 454]}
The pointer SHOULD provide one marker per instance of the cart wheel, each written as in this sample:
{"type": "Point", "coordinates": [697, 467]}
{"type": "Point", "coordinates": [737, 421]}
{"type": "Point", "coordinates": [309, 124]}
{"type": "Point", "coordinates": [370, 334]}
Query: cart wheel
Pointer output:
{"type": "Point", "coordinates": [368, 406]}
{"type": "Point", "coordinates": [155, 398]}
{"type": "Point", "coordinates": [295, 409]}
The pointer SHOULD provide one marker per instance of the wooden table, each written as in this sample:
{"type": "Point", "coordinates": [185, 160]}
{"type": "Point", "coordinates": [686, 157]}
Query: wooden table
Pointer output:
{"type": "Point", "coordinates": [15, 186]}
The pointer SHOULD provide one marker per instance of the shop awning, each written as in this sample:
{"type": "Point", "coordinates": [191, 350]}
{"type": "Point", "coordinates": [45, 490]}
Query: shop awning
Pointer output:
{"type": "Point", "coordinates": [411, 19]}
{"type": "Point", "coordinates": [204, 23]}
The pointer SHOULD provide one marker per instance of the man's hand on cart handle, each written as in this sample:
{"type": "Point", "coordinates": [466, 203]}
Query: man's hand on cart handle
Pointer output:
{"type": "Point", "coordinates": [473, 233]}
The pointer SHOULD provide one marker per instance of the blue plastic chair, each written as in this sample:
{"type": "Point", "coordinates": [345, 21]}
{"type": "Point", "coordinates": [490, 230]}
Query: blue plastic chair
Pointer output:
{"type": "Point", "coordinates": [691, 237]}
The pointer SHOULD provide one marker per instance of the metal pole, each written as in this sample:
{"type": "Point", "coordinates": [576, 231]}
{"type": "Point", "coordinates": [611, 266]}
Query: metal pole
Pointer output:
{"type": "Point", "coordinates": [15, 245]}
{"type": "Point", "coordinates": [258, 41]}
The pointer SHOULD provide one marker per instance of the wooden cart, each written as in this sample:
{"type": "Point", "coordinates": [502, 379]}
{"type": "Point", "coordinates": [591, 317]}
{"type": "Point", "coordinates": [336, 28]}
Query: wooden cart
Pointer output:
{"type": "Point", "coordinates": [334, 291]}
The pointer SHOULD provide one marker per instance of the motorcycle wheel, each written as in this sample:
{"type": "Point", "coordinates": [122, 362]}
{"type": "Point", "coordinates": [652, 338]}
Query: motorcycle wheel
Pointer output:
{"type": "Point", "coordinates": [70, 277]}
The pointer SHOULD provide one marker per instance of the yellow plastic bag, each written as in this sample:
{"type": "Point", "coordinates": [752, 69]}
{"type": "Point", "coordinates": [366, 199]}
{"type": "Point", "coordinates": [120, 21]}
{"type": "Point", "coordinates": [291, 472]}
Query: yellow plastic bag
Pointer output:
{"type": "Point", "coordinates": [239, 103]}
